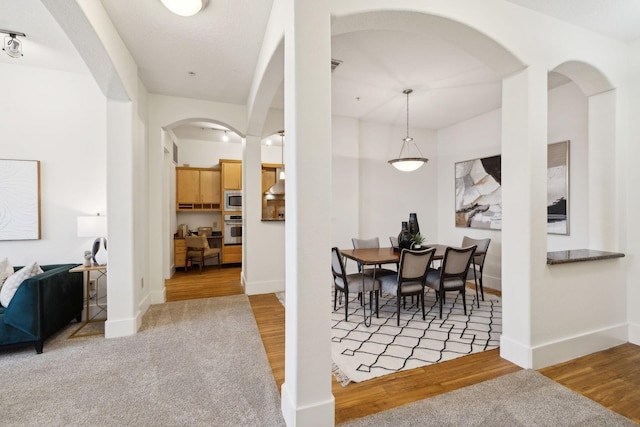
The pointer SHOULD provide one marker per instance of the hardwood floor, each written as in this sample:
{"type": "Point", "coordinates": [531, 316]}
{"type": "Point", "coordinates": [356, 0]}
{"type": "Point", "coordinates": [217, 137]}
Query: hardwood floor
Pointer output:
{"type": "Point", "coordinates": [610, 377]}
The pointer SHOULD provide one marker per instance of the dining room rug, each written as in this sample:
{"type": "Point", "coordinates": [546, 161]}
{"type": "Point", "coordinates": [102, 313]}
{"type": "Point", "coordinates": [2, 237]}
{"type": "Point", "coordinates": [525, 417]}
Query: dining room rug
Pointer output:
{"type": "Point", "coordinates": [362, 352]}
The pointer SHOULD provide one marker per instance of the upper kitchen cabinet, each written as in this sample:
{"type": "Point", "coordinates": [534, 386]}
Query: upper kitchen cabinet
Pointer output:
{"type": "Point", "coordinates": [231, 174]}
{"type": "Point", "coordinates": [197, 189]}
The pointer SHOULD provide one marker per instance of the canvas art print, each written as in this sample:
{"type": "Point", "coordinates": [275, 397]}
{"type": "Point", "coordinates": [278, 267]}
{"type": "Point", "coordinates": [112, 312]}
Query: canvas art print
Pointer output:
{"type": "Point", "coordinates": [558, 188]}
{"type": "Point", "coordinates": [19, 199]}
{"type": "Point", "coordinates": [478, 193]}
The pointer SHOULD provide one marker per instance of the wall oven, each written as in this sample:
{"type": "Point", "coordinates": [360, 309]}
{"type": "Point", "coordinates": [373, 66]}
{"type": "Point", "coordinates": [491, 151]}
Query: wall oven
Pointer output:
{"type": "Point", "coordinates": [233, 229]}
{"type": "Point", "coordinates": [232, 200]}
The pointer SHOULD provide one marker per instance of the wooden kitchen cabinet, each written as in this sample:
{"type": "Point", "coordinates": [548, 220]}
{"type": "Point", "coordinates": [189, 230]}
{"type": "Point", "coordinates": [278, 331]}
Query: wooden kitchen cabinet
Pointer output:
{"type": "Point", "coordinates": [179, 252]}
{"type": "Point", "coordinates": [231, 174]}
{"type": "Point", "coordinates": [231, 254]}
{"type": "Point", "coordinates": [197, 189]}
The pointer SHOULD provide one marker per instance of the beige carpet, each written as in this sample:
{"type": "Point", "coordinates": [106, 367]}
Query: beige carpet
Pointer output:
{"type": "Point", "coordinates": [193, 363]}
{"type": "Point", "coordinates": [524, 398]}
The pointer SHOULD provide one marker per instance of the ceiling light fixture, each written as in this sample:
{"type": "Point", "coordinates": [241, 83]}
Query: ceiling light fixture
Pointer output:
{"type": "Point", "coordinates": [185, 7]}
{"type": "Point", "coordinates": [407, 163]}
{"type": "Point", "coordinates": [12, 46]}
{"type": "Point", "coordinates": [225, 137]}
{"type": "Point", "coordinates": [282, 152]}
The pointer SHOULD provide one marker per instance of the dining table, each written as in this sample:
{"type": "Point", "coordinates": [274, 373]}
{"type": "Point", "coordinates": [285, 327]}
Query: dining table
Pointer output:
{"type": "Point", "coordinates": [385, 255]}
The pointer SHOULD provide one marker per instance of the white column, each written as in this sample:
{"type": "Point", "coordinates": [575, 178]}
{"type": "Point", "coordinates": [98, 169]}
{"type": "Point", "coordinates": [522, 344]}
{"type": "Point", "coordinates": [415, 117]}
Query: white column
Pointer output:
{"type": "Point", "coordinates": [121, 319]}
{"type": "Point", "coordinates": [603, 218]}
{"type": "Point", "coordinates": [524, 237]}
{"type": "Point", "coordinates": [306, 392]}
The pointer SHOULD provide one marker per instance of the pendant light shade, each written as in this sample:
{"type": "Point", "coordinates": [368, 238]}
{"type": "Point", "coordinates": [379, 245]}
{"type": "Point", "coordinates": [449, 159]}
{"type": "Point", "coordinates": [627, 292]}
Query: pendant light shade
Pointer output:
{"type": "Point", "coordinates": [405, 162]}
{"type": "Point", "coordinates": [185, 7]}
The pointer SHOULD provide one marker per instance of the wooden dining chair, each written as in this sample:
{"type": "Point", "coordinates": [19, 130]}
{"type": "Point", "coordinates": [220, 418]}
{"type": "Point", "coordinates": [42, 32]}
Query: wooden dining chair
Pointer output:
{"type": "Point", "coordinates": [351, 283]}
{"type": "Point", "coordinates": [452, 275]}
{"type": "Point", "coordinates": [410, 279]}
{"type": "Point", "coordinates": [477, 263]}
{"type": "Point", "coordinates": [198, 249]}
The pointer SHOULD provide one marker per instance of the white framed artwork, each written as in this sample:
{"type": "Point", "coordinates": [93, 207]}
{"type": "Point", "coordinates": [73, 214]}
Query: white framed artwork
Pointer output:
{"type": "Point", "coordinates": [19, 199]}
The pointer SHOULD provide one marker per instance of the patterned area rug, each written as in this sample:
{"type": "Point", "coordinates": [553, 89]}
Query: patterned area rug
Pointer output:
{"type": "Point", "coordinates": [361, 353]}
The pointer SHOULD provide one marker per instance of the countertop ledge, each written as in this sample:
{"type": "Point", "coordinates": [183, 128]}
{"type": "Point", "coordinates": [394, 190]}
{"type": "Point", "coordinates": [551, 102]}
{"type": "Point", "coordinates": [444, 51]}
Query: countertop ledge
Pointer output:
{"type": "Point", "coordinates": [272, 219]}
{"type": "Point", "coordinates": [579, 255]}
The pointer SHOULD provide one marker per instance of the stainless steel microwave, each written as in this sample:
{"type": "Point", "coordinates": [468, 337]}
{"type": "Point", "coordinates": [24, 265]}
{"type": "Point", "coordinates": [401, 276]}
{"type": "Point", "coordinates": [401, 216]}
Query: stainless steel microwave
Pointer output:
{"type": "Point", "coordinates": [232, 200]}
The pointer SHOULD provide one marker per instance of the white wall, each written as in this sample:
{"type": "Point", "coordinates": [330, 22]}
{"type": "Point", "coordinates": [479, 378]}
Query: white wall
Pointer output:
{"type": "Point", "coordinates": [480, 137]}
{"type": "Point", "coordinates": [58, 118]}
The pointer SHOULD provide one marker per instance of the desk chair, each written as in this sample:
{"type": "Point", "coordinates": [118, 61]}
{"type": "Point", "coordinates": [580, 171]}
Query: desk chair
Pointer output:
{"type": "Point", "coordinates": [198, 249]}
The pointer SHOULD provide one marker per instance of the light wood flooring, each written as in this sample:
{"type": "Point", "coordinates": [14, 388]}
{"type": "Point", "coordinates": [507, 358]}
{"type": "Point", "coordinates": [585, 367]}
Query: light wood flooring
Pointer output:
{"type": "Point", "coordinates": [610, 377]}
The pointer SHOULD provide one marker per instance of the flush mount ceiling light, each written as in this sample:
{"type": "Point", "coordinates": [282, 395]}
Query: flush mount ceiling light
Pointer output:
{"type": "Point", "coordinates": [406, 163]}
{"type": "Point", "coordinates": [12, 46]}
{"type": "Point", "coordinates": [185, 7]}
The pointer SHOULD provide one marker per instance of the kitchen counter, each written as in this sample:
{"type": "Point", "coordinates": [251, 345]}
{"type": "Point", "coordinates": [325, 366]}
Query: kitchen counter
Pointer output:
{"type": "Point", "coordinates": [579, 255]}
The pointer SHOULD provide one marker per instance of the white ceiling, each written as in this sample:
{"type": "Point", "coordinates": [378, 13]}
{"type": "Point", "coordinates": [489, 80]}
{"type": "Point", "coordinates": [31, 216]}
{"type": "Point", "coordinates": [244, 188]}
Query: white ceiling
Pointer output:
{"type": "Point", "coordinates": [221, 44]}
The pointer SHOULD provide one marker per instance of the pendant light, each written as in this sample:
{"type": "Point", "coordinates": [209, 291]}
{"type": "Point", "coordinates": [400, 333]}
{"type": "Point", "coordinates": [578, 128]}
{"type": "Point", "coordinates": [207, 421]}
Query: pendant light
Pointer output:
{"type": "Point", "coordinates": [407, 163]}
{"type": "Point", "coordinates": [282, 152]}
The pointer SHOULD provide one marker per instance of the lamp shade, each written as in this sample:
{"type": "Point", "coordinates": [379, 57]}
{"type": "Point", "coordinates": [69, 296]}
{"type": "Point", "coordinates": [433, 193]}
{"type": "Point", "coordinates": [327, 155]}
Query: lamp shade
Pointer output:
{"type": "Point", "coordinates": [92, 226]}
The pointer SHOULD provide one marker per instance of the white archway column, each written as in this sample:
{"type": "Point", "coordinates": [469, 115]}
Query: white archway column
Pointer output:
{"type": "Point", "coordinates": [603, 220]}
{"type": "Point", "coordinates": [306, 392]}
{"type": "Point", "coordinates": [524, 237]}
{"type": "Point", "coordinates": [121, 317]}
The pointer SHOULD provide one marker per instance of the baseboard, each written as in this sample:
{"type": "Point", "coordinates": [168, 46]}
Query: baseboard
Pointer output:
{"type": "Point", "coordinates": [515, 352]}
{"type": "Point", "coordinates": [158, 297]}
{"type": "Point", "coordinates": [634, 333]}
{"type": "Point", "coordinates": [319, 414]}
{"type": "Point", "coordinates": [552, 353]}
{"type": "Point", "coordinates": [264, 287]}
{"type": "Point", "coordinates": [120, 328]}
{"type": "Point", "coordinates": [490, 282]}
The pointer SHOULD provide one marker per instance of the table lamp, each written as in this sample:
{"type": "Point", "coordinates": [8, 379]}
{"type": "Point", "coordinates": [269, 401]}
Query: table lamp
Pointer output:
{"type": "Point", "coordinates": [95, 226]}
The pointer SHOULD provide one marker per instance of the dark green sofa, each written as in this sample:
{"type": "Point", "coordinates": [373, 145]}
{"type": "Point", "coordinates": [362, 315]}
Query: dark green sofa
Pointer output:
{"type": "Point", "coordinates": [42, 305]}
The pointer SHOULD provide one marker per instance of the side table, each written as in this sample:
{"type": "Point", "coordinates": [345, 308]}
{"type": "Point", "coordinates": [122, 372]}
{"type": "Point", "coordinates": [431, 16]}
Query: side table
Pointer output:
{"type": "Point", "coordinates": [102, 273]}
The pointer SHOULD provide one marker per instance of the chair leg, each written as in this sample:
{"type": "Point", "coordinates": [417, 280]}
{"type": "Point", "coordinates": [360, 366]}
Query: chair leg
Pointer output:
{"type": "Point", "coordinates": [421, 296]}
{"type": "Point", "coordinates": [346, 306]}
{"type": "Point", "coordinates": [464, 300]}
{"type": "Point", "coordinates": [441, 299]}
{"type": "Point", "coordinates": [335, 299]}
{"type": "Point", "coordinates": [398, 309]}
{"type": "Point", "coordinates": [481, 287]}
{"type": "Point", "coordinates": [377, 304]}
{"type": "Point", "coordinates": [475, 279]}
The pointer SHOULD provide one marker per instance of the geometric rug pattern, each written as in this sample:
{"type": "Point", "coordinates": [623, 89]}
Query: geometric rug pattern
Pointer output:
{"type": "Point", "coordinates": [361, 353]}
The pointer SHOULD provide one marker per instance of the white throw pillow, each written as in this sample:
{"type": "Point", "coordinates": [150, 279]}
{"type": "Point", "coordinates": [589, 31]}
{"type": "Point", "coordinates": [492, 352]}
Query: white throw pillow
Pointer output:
{"type": "Point", "coordinates": [6, 270]}
{"type": "Point", "coordinates": [14, 281]}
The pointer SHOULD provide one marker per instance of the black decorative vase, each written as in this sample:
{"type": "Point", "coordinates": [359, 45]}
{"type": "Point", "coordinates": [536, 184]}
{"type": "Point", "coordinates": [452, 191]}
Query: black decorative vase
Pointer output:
{"type": "Point", "coordinates": [414, 228]}
{"type": "Point", "coordinates": [404, 238]}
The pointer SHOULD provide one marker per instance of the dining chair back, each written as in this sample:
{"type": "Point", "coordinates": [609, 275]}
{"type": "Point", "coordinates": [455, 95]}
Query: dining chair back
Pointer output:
{"type": "Point", "coordinates": [452, 275]}
{"type": "Point", "coordinates": [477, 264]}
{"type": "Point", "coordinates": [411, 277]}
{"type": "Point", "coordinates": [344, 283]}
{"type": "Point", "coordinates": [371, 243]}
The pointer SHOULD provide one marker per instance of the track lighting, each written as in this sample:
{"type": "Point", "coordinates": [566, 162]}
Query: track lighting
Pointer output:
{"type": "Point", "coordinates": [12, 45]}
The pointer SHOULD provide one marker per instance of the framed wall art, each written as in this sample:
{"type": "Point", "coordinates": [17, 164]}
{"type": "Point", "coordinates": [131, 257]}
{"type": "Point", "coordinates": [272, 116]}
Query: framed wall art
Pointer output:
{"type": "Point", "coordinates": [558, 188]}
{"type": "Point", "coordinates": [19, 199]}
{"type": "Point", "coordinates": [479, 193]}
